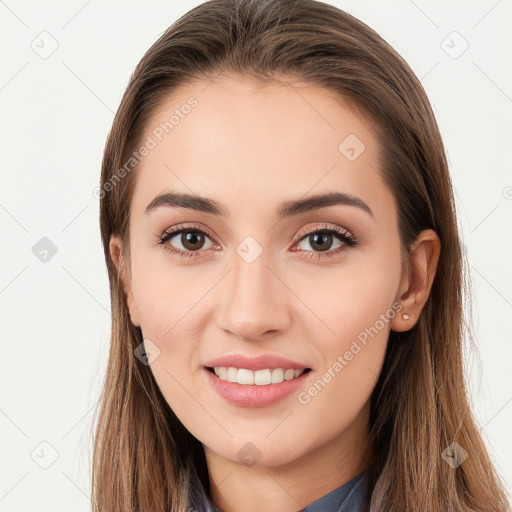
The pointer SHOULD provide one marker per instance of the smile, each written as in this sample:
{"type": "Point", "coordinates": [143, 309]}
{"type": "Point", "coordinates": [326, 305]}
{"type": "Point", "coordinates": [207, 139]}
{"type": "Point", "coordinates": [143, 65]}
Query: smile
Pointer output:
{"type": "Point", "coordinates": [255, 388]}
{"type": "Point", "coordinates": [262, 377]}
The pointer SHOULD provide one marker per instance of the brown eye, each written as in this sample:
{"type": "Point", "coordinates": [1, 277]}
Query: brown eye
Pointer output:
{"type": "Point", "coordinates": [185, 241]}
{"type": "Point", "coordinates": [192, 240]}
{"type": "Point", "coordinates": [321, 241]}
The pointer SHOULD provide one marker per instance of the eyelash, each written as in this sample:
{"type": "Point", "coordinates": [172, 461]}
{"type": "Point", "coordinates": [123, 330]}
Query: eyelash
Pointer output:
{"type": "Point", "coordinates": [341, 234]}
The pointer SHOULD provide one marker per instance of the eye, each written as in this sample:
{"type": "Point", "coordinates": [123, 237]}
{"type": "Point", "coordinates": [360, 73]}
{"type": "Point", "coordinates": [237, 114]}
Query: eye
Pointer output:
{"type": "Point", "coordinates": [321, 240]}
{"type": "Point", "coordinates": [189, 240]}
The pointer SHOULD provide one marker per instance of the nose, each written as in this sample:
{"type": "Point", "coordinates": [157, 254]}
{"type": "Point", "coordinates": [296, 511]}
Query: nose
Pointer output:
{"type": "Point", "coordinates": [255, 303]}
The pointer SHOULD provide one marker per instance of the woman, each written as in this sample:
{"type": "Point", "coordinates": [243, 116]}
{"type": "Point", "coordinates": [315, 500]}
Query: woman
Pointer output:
{"type": "Point", "coordinates": [286, 277]}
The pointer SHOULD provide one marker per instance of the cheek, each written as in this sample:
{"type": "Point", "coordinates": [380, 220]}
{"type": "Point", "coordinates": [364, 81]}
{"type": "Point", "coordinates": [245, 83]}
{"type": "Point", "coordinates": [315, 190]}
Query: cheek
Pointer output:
{"type": "Point", "coordinates": [169, 302]}
{"type": "Point", "coordinates": [358, 313]}
{"type": "Point", "coordinates": [353, 309]}
{"type": "Point", "coordinates": [344, 303]}
{"type": "Point", "coordinates": [166, 295]}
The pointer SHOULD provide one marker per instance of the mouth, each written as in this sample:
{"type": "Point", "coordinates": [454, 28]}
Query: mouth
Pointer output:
{"type": "Point", "coordinates": [263, 377]}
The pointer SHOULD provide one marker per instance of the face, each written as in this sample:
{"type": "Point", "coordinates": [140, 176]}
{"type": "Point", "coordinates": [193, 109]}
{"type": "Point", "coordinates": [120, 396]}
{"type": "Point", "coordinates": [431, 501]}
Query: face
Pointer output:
{"type": "Point", "coordinates": [254, 275]}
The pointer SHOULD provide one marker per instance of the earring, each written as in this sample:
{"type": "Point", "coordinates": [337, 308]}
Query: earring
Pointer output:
{"type": "Point", "coordinates": [405, 316]}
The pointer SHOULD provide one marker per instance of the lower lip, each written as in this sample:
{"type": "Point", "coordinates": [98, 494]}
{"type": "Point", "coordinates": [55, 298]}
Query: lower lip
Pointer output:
{"type": "Point", "coordinates": [254, 395]}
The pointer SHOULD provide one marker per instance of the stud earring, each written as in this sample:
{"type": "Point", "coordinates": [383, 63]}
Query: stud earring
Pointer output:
{"type": "Point", "coordinates": [405, 316]}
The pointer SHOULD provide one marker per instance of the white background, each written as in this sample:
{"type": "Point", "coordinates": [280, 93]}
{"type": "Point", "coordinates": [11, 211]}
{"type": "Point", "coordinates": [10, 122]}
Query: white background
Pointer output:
{"type": "Point", "coordinates": [56, 113]}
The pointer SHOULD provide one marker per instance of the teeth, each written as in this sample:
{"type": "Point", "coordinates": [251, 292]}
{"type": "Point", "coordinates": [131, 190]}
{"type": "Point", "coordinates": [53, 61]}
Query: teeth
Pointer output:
{"type": "Point", "coordinates": [245, 376]}
{"type": "Point", "coordinates": [232, 374]}
{"type": "Point", "coordinates": [262, 377]}
{"type": "Point", "coordinates": [289, 374]}
{"type": "Point", "coordinates": [258, 377]}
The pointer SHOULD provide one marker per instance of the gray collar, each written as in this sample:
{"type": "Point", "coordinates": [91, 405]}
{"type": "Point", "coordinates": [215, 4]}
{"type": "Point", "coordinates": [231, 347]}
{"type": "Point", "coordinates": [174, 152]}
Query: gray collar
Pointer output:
{"type": "Point", "coordinates": [349, 497]}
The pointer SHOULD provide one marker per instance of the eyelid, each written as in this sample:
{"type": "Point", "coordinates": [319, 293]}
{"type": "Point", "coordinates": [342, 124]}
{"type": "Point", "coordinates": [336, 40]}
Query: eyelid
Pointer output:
{"type": "Point", "coordinates": [300, 235]}
{"type": "Point", "coordinates": [324, 225]}
{"type": "Point", "coordinates": [174, 230]}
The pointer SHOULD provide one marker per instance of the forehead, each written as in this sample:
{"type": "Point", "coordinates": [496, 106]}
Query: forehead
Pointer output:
{"type": "Point", "coordinates": [235, 138]}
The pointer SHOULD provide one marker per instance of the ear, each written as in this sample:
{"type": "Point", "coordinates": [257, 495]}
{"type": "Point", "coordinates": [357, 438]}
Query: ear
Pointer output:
{"type": "Point", "coordinates": [416, 283]}
{"type": "Point", "coordinates": [123, 270]}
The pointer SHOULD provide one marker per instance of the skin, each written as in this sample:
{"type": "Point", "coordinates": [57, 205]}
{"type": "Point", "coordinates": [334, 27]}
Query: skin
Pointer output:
{"type": "Point", "coordinates": [250, 147]}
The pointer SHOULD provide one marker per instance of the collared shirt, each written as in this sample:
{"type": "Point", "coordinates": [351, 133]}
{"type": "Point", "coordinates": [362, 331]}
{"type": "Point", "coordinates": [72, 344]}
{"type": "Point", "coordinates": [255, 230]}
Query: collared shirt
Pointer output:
{"type": "Point", "coordinates": [349, 497]}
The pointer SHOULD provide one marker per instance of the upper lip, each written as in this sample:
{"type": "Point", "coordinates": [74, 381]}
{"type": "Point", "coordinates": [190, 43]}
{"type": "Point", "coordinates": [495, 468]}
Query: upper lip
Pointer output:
{"type": "Point", "coordinates": [255, 363]}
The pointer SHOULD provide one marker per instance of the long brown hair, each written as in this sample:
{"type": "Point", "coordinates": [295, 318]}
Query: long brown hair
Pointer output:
{"type": "Point", "coordinates": [144, 458]}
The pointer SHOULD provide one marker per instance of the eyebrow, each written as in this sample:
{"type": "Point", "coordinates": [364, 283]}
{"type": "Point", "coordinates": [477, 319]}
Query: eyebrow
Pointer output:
{"type": "Point", "coordinates": [286, 209]}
